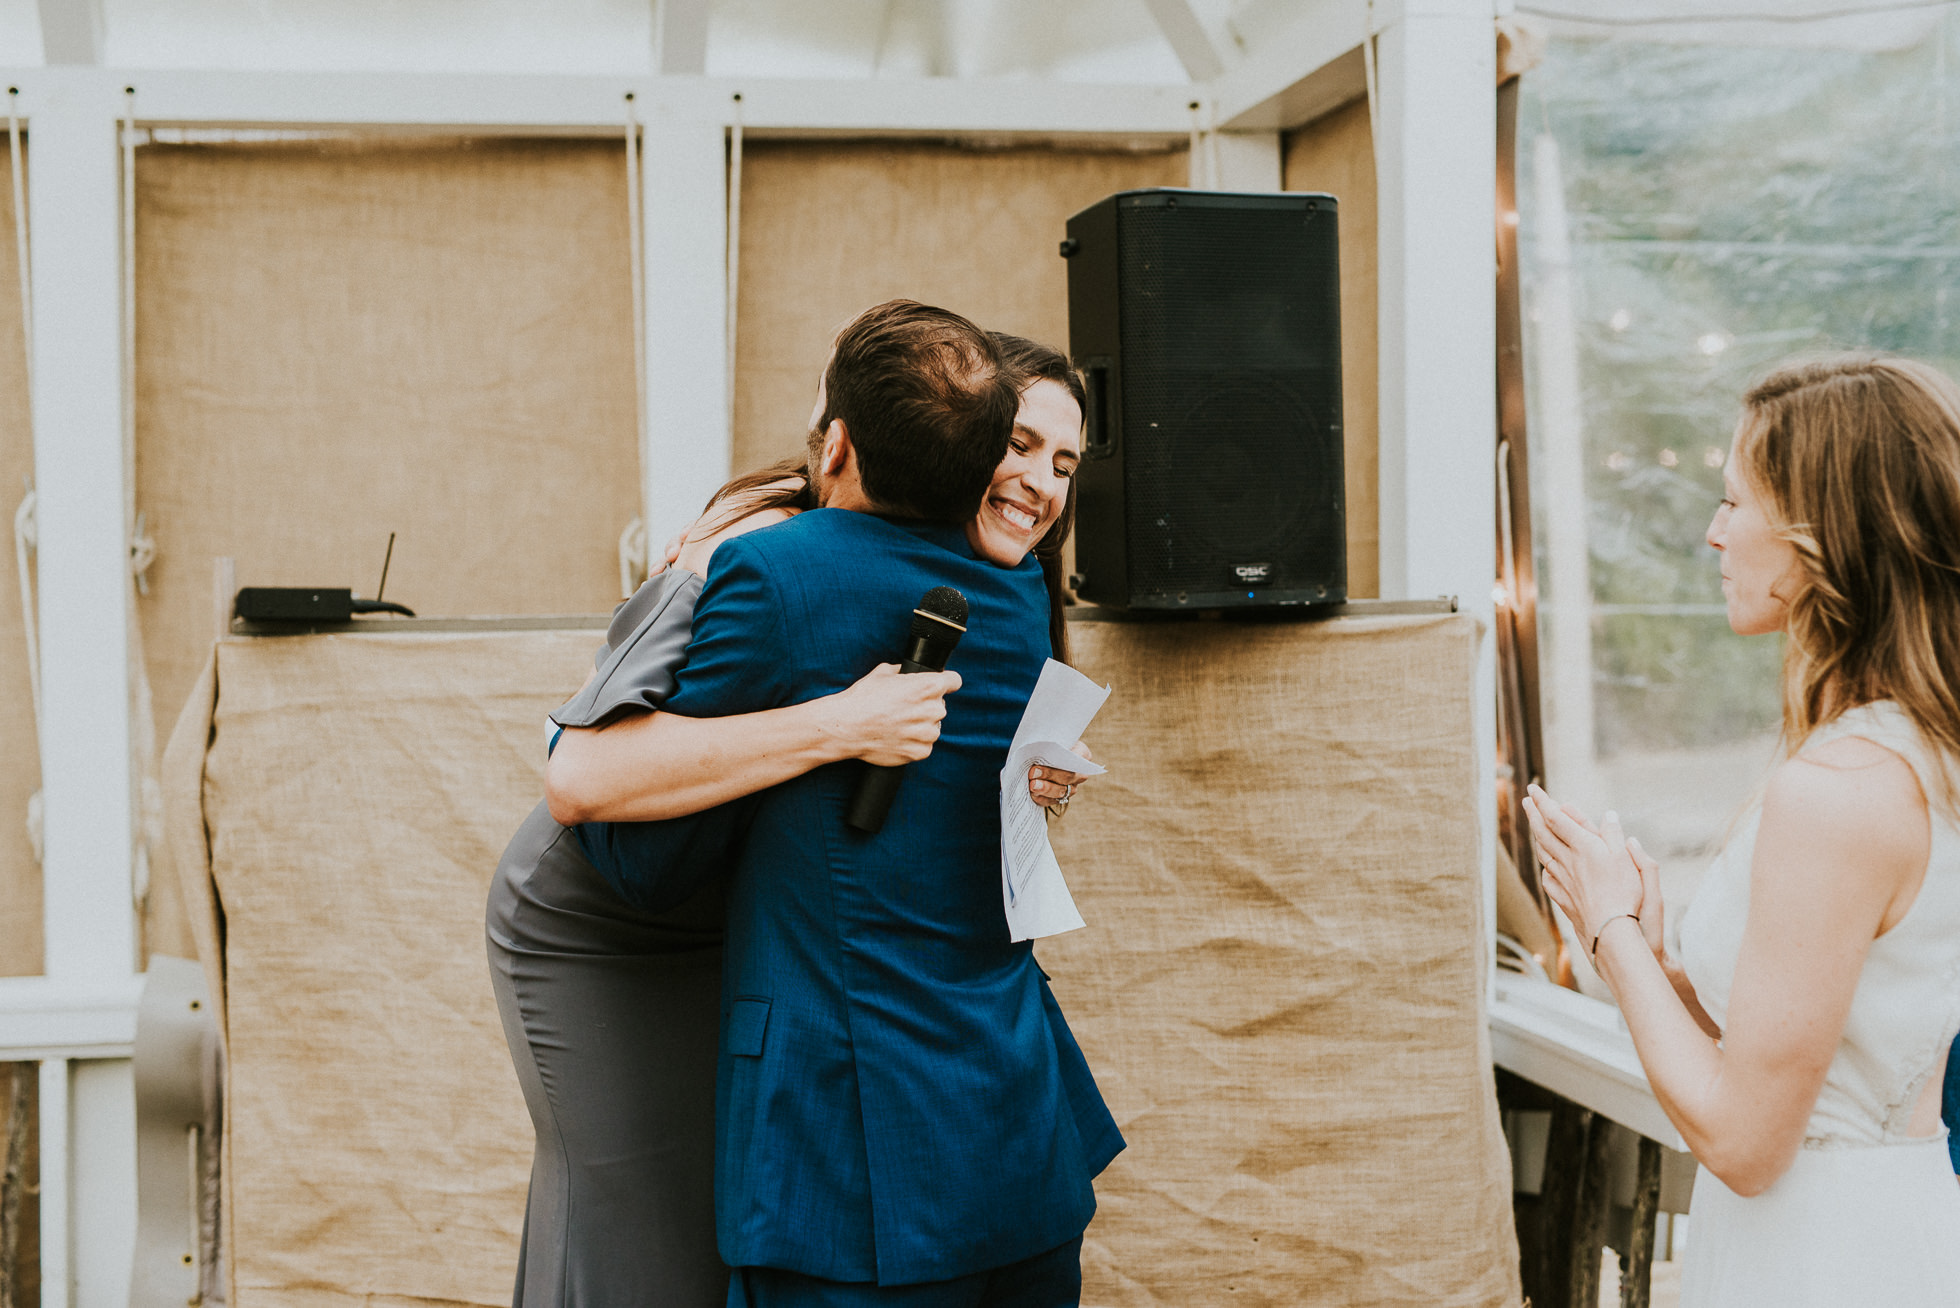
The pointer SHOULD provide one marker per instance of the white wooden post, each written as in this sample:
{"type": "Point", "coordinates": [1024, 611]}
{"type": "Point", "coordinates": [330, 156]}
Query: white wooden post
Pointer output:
{"type": "Point", "coordinates": [1437, 194]}
{"type": "Point", "coordinates": [102, 1193]}
{"type": "Point", "coordinates": [57, 1246]}
{"type": "Point", "coordinates": [685, 451]}
{"type": "Point", "coordinates": [90, 921]}
{"type": "Point", "coordinates": [83, 559]}
{"type": "Point", "coordinates": [1436, 161]}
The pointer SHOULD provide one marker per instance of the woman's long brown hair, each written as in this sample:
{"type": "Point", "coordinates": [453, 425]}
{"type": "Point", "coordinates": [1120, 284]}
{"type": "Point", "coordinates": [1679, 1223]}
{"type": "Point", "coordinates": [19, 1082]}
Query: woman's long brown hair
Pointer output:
{"type": "Point", "coordinates": [785, 484]}
{"type": "Point", "coordinates": [790, 484]}
{"type": "Point", "coordinates": [1859, 457]}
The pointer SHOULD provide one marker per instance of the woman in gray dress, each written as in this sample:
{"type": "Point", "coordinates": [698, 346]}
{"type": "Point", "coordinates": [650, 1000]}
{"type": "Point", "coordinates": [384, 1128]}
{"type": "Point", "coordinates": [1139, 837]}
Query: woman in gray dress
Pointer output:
{"type": "Point", "coordinates": [610, 1011]}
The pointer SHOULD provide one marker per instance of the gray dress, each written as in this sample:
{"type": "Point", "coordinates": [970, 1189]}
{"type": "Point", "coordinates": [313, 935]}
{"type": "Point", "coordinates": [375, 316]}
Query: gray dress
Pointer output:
{"type": "Point", "coordinates": [611, 1014]}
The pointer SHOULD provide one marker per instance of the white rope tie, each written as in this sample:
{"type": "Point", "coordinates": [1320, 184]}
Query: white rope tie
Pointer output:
{"type": "Point", "coordinates": [632, 541]}
{"type": "Point", "coordinates": [129, 309]}
{"type": "Point", "coordinates": [632, 557]}
{"type": "Point", "coordinates": [1204, 168]}
{"type": "Point", "coordinates": [1374, 93]}
{"type": "Point", "coordinates": [26, 532]}
{"type": "Point", "coordinates": [734, 249]}
{"type": "Point", "coordinates": [142, 553]}
{"type": "Point", "coordinates": [142, 548]}
{"type": "Point", "coordinates": [20, 234]}
{"type": "Point", "coordinates": [1211, 146]}
{"type": "Point", "coordinates": [147, 792]}
{"type": "Point", "coordinates": [1195, 172]}
{"type": "Point", "coordinates": [26, 539]}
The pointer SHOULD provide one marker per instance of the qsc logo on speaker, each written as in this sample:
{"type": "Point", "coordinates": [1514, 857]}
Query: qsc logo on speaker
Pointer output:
{"type": "Point", "coordinates": [1251, 572]}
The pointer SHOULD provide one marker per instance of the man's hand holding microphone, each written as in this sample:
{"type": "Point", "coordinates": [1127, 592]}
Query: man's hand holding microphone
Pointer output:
{"type": "Point", "coordinates": [890, 720]}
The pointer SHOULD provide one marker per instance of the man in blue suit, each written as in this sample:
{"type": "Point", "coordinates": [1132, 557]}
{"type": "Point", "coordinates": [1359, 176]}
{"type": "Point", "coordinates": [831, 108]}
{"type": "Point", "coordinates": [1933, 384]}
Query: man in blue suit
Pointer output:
{"type": "Point", "coordinates": [902, 1116]}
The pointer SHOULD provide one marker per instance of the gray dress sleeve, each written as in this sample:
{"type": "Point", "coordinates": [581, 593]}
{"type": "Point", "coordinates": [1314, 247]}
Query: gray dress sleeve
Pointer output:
{"type": "Point", "coordinates": [645, 648]}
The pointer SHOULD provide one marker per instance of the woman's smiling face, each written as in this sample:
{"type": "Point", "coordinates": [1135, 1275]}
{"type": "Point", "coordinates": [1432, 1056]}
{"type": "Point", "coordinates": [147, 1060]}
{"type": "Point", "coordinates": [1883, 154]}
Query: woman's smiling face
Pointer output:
{"type": "Point", "coordinates": [1030, 487]}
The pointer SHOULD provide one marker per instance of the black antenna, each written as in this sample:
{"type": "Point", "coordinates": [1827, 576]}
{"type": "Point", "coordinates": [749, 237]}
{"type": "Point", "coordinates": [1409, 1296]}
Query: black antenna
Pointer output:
{"type": "Point", "coordinates": [386, 559]}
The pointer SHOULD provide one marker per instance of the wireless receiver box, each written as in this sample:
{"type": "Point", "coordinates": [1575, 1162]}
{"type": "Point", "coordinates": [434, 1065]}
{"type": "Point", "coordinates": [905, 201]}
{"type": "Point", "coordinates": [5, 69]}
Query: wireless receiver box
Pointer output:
{"type": "Point", "coordinates": [295, 604]}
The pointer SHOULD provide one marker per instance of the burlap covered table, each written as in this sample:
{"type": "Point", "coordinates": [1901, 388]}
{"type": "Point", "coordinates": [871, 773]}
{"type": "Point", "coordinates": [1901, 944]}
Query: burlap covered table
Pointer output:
{"type": "Point", "coordinates": [347, 817]}
{"type": "Point", "coordinates": [1279, 986]}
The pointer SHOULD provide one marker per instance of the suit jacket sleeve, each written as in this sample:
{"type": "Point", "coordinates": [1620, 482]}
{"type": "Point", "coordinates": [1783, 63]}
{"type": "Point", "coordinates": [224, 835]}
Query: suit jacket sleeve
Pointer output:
{"type": "Point", "coordinates": [740, 657]}
{"type": "Point", "coordinates": [737, 662]}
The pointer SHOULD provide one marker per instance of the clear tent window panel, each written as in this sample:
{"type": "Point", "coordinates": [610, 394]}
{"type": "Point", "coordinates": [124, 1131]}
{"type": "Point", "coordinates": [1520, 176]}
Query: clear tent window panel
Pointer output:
{"type": "Point", "coordinates": [1692, 214]}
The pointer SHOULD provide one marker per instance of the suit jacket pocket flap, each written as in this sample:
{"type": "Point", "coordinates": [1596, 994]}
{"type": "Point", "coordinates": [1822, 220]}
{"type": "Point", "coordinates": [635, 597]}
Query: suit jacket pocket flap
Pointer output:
{"type": "Point", "coordinates": [748, 1021]}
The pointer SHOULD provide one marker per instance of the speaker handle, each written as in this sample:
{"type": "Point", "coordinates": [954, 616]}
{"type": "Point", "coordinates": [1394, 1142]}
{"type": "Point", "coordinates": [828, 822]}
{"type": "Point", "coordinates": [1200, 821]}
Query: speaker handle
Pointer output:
{"type": "Point", "coordinates": [1099, 434]}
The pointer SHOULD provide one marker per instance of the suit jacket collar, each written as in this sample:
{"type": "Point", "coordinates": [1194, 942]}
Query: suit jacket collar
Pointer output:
{"type": "Point", "coordinates": [951, 539]}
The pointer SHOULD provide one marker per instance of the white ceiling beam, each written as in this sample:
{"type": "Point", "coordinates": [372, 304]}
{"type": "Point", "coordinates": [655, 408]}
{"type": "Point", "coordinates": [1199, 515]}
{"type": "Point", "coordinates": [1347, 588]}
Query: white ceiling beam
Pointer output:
{"type": "Point", "coordinates": [680, 36]}
{"type": "Point", "coordinates": [1189, 40]}
{"type": "Point", "coordinates": [1310, 68]}
{"type": "Point", "coordinates": [579, 105]}
{"type": "Point", "coordinates": [71, 31]}
{"type": "Point", "coordinates": [1340, 81]}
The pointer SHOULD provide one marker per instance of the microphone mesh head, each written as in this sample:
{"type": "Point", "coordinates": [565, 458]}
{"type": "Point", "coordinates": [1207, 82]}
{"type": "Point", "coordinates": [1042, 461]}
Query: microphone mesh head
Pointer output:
{"type": "Point", "coordinates": [940, 621]}
{"type": "Point", "coordinates": [945, 602]}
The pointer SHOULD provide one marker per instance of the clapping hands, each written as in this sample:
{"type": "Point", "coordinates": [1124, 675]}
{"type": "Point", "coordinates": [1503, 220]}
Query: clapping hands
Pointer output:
{"type": "Point", "coordinates": [1595, 873]}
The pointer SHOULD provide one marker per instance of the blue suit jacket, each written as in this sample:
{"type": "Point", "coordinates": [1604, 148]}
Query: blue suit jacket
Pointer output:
{"type": "Point", "coordinates": [1950, 1105]}
{"type": "Point", "coordinates": [898, 1096]}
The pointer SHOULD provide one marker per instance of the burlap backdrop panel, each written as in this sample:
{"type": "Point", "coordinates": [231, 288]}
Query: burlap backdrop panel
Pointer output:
{"type": "Point", "coordinates": [1336, 154]}
{"type": "Point", "coordinates": [829, 228]}
{"type": "Point", "coordinates": [359, 791]}
{"type": "Point", "coordinates": [339, 340]}
{"type": "Point", "coordinates": [20, 768]}
{"type": "Point", "coordinates": [1279, 987]}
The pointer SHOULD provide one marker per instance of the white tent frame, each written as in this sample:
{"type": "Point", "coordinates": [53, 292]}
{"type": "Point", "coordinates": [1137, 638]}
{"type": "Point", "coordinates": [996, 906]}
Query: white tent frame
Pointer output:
{"type": "Point", "coordinates": [1435, 147]}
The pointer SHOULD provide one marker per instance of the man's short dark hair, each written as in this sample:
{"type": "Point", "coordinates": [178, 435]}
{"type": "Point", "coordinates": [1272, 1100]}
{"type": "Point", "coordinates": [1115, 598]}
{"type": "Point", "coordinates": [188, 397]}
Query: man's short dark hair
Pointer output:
{"type": "Point", "coordinates": [929, 404]}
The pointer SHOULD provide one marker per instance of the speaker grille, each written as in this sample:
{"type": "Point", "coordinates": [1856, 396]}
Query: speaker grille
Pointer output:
{"type": "Point", "coordinates": [1231, 411]}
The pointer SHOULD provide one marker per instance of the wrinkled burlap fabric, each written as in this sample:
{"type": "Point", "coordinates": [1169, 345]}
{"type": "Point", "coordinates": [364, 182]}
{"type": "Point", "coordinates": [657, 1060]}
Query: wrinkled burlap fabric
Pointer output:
{"type": "Point", "coordinates": [1280, 984]}
{"type": "Point", "coordinates": [1279, 987]}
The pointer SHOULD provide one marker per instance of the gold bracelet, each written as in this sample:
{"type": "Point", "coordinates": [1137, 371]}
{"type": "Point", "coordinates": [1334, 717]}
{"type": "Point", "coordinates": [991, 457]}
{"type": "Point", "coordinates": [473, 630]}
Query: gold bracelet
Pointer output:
{"type": "Point", "coordinates": [1602, 931]}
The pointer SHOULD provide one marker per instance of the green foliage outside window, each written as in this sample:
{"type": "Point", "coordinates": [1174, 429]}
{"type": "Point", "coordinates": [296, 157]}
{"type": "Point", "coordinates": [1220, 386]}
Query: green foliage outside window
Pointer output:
{"type": "Point", "coordinates": [1727, 207]}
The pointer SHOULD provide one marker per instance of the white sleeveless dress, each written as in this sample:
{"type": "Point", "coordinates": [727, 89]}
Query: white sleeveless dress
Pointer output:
{"type": "Point", "coordinates": [1867, 1214]}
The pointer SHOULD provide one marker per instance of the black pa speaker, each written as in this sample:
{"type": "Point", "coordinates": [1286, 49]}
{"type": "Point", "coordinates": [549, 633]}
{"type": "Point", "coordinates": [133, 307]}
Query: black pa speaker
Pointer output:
{"type": "Point", "coordinates": [1208, 328]}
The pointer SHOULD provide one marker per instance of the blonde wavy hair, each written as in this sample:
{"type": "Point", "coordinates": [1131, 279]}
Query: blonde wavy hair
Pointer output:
{"type": "Point", "coordinates": [1859, 458]}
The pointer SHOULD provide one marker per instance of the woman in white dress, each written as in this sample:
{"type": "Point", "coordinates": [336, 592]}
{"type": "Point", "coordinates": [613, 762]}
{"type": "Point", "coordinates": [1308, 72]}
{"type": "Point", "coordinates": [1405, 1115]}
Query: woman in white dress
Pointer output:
{"type": "Point", "coordinates": [1799, 1039]}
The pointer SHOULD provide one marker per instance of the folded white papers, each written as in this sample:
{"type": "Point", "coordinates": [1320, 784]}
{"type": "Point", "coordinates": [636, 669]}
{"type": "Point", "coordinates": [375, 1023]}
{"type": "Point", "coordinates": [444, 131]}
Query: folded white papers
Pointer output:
{"type": "Point", "coordinates": [1032, 889]}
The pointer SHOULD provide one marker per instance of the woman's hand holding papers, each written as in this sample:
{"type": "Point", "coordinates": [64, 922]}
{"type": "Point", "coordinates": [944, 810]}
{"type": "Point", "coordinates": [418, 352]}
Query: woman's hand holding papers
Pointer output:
{"type": "Point", "coordinates": [1052, 788]}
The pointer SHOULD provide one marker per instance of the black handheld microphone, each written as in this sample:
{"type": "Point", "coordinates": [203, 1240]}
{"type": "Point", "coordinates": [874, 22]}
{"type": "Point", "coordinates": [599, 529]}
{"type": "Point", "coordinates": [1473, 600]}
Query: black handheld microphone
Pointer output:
{"type": "Point", "coordinates": [937, 625]}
